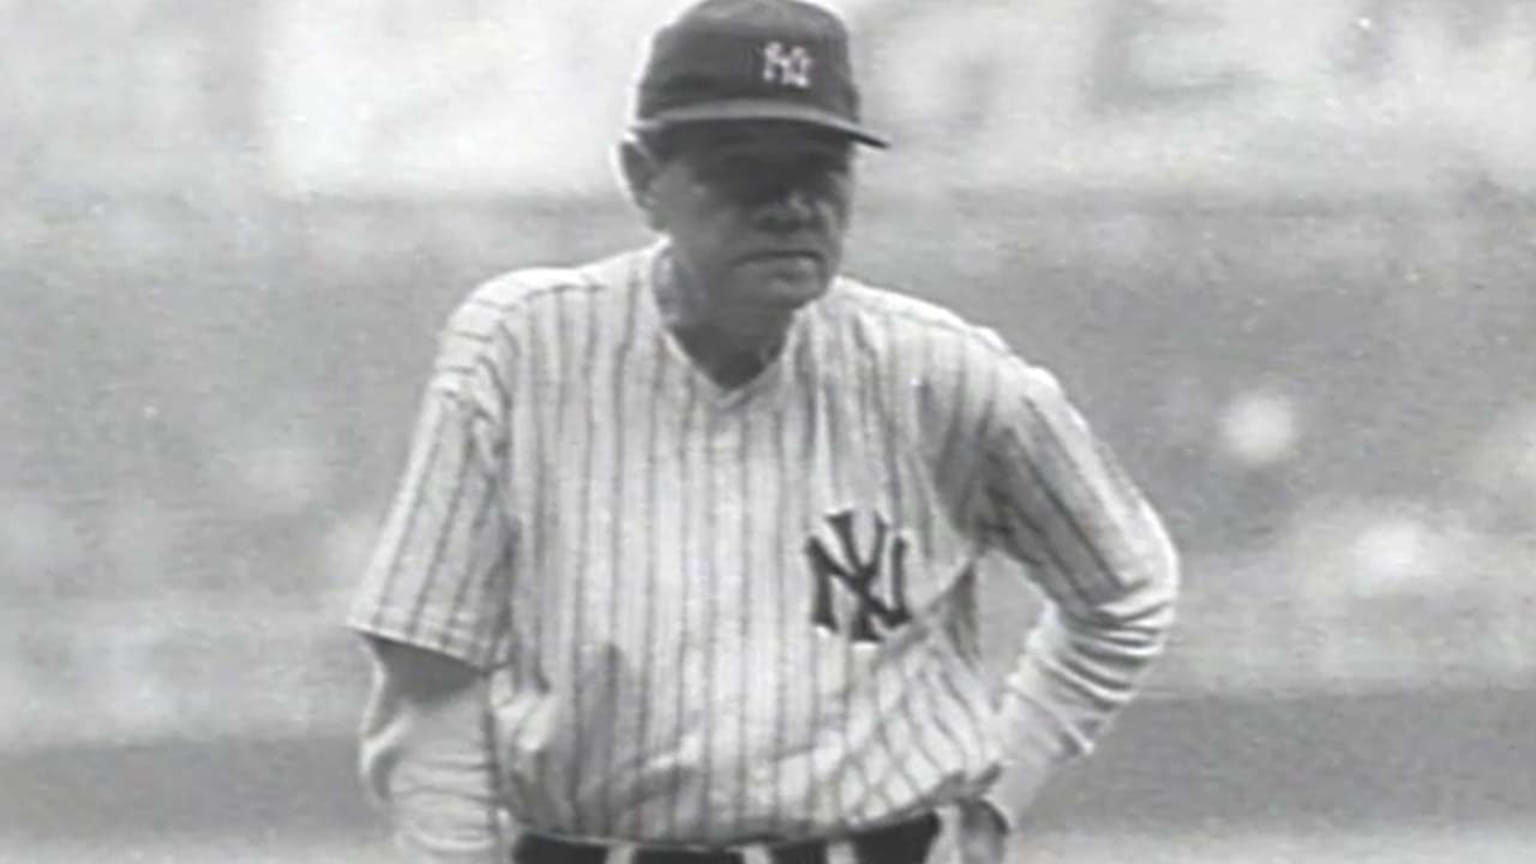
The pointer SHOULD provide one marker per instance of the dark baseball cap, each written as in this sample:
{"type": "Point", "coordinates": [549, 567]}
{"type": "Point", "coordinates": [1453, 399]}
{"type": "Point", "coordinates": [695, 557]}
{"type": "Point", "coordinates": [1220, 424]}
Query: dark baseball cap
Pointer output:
{"type": "Point", "coordinates": [725, 60]}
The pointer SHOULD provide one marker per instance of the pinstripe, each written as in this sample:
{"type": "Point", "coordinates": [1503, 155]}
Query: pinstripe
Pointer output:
{"type": "Point", "coordinates": [1063, 455]}
{"type": "Point", "coordinates": [912, 682]}
{"type": "Point", "coordinates": [987, 396]}
{"type": "Point", "coordinates": [684, 524]}
{"type": "Point", "coordinates": [710, 720]}
{"type": "Point", "coordinates": [1021, 454]}
{"type": "Point", "coordinates": [619, 375]}
{"type": "Point", "coordinates": [543, 363]}
{"type": "Point", "coordinates": [962, 708]}
{"type": "Point", "coordinates": [781, 502]}
{"type": "Point", "coordinates": [1071, 591]}
{"type": "Point", "coordinates": [906, 685]}
{"type": "Point", "coordinates": [653, 539]}
{"type": "Point", "coordinates": [407, 508]}
{"type": "Point", "coordinates": [810, 405]}
{"type": "Point", "coordinates": [482, 363]}
{"type": "Point", "coordinates": [748, 575]}
{"type": "Point", "coordinates": [931, 506]}
{"type": "Point", "coordinates": [915, 676]}
{"type": "Point", "coordinates": [954, 713]}
{"type": "Point", "coordinates": [493, 374]}
{"type": "Point", "coordinates": [494, 631]}
{"type": "Point", "coordinates": [588, 569]}
{"type": "Point", "coordinates": [839, 437]}
{"type": "Point", "coordinates": [519, 656]}
{"type": "Point", "coordinates": [893, 392]}
{"type": "Point", "coordinates": [1005, 521]}
{"type": "Point", "coordinates": [969, 652]}
{"type": "Point", "coordinates": [916, 670]}
{"type": "Point", "coordinates": [461, 592]}
{"type": "Point", "coordinates": [827, 411]}
{"type": "Point", "coordinates": [442, 536]}
{"type": "Point", "coordinates": [954, 431]}
{"type": "Point", "coordinates": [705, 717]}
{"type": "Point", "coordinates": [584, 570]}
{"type": "Point", "coordinates": [876, 433]}
{"type": "Point", "coordinates": [581, 396]}
{"type": "Point", "coordinates": [547, 599]}
{"type": "Point", "coordinates": [1041, 481]}
{"type": "Point", "coordinates": [835, 435]}
{"type": "Point", "coordinates": [539, 360]}
{"type": "Point", "coordinates": [938, 715]}
{"type": "Point", "coordinates": [570, 620]}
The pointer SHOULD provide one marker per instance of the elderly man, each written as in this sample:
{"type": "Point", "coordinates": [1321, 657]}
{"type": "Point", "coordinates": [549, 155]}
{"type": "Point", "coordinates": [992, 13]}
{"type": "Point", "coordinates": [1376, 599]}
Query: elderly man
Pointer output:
{"type": "Point", "coordinates": [684, 565]}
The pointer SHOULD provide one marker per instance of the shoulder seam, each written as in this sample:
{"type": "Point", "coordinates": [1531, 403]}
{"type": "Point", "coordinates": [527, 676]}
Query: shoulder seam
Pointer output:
{"type": "Point", "coordinates": [500, 298]}
{"type": "Point", "coordinates": [929, 315]}
{"type": "Point", "coordinates": [575, 279]}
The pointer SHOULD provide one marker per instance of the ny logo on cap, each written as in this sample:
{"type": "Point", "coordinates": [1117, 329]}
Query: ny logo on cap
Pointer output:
{"type": "Point", "coordinates": [789, 66]}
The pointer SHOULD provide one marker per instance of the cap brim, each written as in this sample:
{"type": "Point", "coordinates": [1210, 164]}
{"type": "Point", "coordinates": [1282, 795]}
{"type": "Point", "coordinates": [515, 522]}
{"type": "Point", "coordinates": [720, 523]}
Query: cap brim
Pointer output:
{"type": "Point", "coordinates": [763, 109]}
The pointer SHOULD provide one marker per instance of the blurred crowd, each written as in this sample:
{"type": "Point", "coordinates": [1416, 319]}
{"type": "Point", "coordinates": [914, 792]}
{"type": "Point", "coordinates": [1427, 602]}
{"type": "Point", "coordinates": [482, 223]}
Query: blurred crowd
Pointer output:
{"type": "Point", "coordinates": [206, 387]}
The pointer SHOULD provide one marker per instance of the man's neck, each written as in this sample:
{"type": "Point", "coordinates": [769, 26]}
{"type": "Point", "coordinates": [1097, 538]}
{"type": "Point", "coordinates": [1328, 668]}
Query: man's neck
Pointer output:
{"type": "Point", "coordinates": [732, 345]}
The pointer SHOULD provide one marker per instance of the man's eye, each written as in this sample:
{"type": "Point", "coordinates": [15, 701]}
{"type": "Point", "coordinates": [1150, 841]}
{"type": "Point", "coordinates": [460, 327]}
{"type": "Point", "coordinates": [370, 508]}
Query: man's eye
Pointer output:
{"type": "Point", "coordinates": [743, 168]}
{"type": "Point", "coordinates": [716, 170]}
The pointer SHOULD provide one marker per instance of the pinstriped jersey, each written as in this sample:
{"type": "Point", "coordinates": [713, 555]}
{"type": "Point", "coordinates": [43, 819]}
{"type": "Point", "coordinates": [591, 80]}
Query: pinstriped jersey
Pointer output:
{"type": "Point", "coordinates": [710, 615]}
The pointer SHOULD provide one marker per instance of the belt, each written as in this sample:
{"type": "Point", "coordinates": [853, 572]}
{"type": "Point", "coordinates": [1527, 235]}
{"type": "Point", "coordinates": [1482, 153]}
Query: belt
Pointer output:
{"type": "Point", "coordinates": [905, 842]}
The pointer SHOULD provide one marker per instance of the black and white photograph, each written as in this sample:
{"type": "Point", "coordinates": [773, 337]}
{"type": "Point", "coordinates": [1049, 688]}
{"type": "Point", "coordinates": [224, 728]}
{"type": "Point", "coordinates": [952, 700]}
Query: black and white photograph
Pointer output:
{"type": "Point", "coordinates": [768, 432]}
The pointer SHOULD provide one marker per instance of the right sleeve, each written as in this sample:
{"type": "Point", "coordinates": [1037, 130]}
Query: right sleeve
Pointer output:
{"type": "Point", "coordinates": [438, 576]}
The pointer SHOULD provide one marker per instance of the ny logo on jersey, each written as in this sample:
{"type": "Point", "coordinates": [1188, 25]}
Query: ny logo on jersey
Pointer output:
{"type": "Point", "coordinates": [858, 571]}
{"type": "Point", "coordinates": [789, 66]}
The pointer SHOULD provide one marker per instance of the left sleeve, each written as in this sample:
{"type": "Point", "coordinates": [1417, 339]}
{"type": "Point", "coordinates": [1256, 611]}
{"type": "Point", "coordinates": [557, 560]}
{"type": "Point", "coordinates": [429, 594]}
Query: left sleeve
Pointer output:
{"type": "Point", "coordinates": [1054, 498]}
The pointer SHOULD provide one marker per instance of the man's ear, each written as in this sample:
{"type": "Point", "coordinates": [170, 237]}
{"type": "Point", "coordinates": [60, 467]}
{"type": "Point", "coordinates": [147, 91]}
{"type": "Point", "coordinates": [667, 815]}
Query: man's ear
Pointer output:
{"type": "Point", "coordinates": [640, 171]}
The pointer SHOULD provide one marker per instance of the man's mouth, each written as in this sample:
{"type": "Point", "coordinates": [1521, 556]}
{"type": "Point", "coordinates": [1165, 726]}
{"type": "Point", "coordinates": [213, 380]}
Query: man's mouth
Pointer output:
{"type": "Point", "coordinates": [781, 254]}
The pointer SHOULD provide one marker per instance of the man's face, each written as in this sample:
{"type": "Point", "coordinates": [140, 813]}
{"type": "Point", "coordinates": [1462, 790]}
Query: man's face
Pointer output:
{"type": "Point", "coordinates": [756, 211]}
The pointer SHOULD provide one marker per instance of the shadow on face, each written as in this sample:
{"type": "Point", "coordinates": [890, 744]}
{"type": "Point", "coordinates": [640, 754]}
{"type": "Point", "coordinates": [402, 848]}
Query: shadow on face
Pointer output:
{"type": "Point", "coordinates": [755, 211]}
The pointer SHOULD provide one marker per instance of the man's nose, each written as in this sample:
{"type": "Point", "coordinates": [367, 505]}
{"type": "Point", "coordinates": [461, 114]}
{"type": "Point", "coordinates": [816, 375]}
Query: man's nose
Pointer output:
{"type": "Point", "coordinates": [786, 206]}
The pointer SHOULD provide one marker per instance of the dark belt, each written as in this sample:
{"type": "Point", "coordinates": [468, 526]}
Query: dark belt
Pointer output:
{"type": "Point", "coordinates": [902, 843]}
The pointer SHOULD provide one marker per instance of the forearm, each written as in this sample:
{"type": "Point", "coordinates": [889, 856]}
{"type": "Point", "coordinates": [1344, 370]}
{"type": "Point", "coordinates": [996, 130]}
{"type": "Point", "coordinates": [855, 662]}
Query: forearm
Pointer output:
{"type": "Point", "coordinates": [425, 759]}
{"type": "Point", "coordinates": [1070, 682]}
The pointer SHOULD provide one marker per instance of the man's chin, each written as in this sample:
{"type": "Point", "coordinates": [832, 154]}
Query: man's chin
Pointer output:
{"type": "Point", "coordinates": [790, 294]}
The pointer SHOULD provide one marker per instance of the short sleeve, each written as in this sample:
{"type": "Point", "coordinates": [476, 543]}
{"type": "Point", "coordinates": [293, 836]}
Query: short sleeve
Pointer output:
{"type": "Point", "coordinates": [1057, 499]}
{"type": "Point", "coordinates": [438, 578]}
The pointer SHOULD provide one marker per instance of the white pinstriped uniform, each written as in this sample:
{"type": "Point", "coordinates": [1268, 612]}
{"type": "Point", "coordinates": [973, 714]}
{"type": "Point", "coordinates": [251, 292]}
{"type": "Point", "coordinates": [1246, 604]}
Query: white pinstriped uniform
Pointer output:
{"type": "Point", "coordinates": [636, 557]}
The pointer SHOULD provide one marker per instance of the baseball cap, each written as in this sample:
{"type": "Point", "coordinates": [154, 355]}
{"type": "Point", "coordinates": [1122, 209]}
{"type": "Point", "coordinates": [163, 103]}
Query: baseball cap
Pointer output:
{"type": "Point", "coordinates": [725, 60]}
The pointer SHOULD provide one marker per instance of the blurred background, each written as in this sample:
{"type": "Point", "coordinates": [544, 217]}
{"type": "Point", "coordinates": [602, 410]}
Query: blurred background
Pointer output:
{"type": "Point", "coordinates": [1281, 254]}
